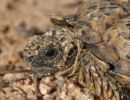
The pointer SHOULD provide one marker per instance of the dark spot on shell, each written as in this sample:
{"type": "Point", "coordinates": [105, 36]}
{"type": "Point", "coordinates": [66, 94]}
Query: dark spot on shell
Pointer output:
{"type": "Point", "coordinates": [128, 56]}
{"type": "Point", "coordinates": [113, 6]}
{"type": "Point", "coordinates": [102, 8]}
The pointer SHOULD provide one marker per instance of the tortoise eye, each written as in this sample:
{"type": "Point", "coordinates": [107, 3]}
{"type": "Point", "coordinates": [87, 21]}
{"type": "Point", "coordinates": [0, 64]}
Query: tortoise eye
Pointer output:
{"type": "Point", "coordinates": [128, 25]}
{"type": "Point", "coordinates": [51, 53]}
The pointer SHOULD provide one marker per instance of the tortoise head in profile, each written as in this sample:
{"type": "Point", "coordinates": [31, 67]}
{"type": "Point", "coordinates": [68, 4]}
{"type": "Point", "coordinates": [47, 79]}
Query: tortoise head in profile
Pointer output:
{"type": "Point", "coordinates": [51, 52]}
{"type": "Point", "coordinates": [57, 52]}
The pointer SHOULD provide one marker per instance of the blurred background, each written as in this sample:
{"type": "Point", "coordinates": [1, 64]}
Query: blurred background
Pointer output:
{"type": "Point", "coordinates": [20, 19]}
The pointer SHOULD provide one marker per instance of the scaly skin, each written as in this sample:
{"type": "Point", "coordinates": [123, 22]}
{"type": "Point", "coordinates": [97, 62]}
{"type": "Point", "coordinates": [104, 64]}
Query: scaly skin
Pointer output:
{"type": "Point", "coordinates": [57, 52]}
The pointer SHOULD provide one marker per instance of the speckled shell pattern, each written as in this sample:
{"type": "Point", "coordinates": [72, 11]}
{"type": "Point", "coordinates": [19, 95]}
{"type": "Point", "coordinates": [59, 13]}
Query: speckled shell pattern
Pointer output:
{"type": "Point", "coordinates": [105, 28]}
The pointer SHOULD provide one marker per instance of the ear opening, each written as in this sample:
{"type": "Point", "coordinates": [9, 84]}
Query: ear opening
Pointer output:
{"type": "Point", "coordinates": [112, 67]}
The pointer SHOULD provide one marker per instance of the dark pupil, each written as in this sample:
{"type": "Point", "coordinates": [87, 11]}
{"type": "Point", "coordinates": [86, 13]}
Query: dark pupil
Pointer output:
{"type": "Point", "coordinates": [128, 25]}
{"type": "Point", "coordinates": [51, 53]}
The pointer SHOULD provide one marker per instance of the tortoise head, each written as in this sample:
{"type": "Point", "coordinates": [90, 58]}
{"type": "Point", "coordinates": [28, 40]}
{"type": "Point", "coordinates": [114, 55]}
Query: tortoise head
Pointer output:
{"type": "Point", "coordinates": [51, 52]}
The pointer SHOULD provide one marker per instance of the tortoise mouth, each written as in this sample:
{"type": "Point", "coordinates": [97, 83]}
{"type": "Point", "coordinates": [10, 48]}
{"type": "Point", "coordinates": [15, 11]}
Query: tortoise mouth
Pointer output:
{"type": "Point", "coordinates": [44, 71]}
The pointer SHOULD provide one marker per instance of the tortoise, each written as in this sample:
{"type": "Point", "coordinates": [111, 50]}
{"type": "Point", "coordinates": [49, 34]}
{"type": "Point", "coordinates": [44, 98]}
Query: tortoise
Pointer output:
{"type": "Point", "coordinates": [79, 50]}
{"type": "Point", "coordinates": [45, 50]}
{"type": "Point", "coordinates": [104, 29]}
{"type": "Point", "coordinates": [57, 52]}
{"type": "Point", "coordinates": [98, 25]}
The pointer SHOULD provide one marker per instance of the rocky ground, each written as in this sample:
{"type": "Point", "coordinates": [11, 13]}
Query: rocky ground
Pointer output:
{"type": "Point", "coordinates": [20, 19]}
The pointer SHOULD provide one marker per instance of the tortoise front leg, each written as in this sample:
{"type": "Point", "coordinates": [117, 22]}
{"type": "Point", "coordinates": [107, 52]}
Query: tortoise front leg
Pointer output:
{"type": "Point", "coordinates": [120, 78]}
{"type": "Point", "coordinates": [93, 41]}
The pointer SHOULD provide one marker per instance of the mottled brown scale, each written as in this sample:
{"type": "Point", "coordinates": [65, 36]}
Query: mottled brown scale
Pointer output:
{"type": "Point", "coordinates": [95, 78]}
{"type": "Point", "coordinates": [105, 53]}
{"type": "Point", "coordinates": [123, 67]}
{"type": "Point", "coordinates": [101, 15]}
{"type": "Point", "coordinates": [104, 27]}
{"type": "Point", "coordinates": [124, 3]}
{"type": "Point", "coordinates": [87, 34]}
{"type": "Point", "coordinates": [95, 43]}
{"type": "Point", "coordinates": [118, 38]}
{"type": "Point", "coordinates": [115, 46]}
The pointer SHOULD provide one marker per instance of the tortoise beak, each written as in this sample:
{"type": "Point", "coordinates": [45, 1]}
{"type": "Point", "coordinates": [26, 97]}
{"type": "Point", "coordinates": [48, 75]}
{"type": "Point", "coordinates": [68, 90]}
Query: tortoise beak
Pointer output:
{"type": "Point", "coordinates": [44, 71]}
